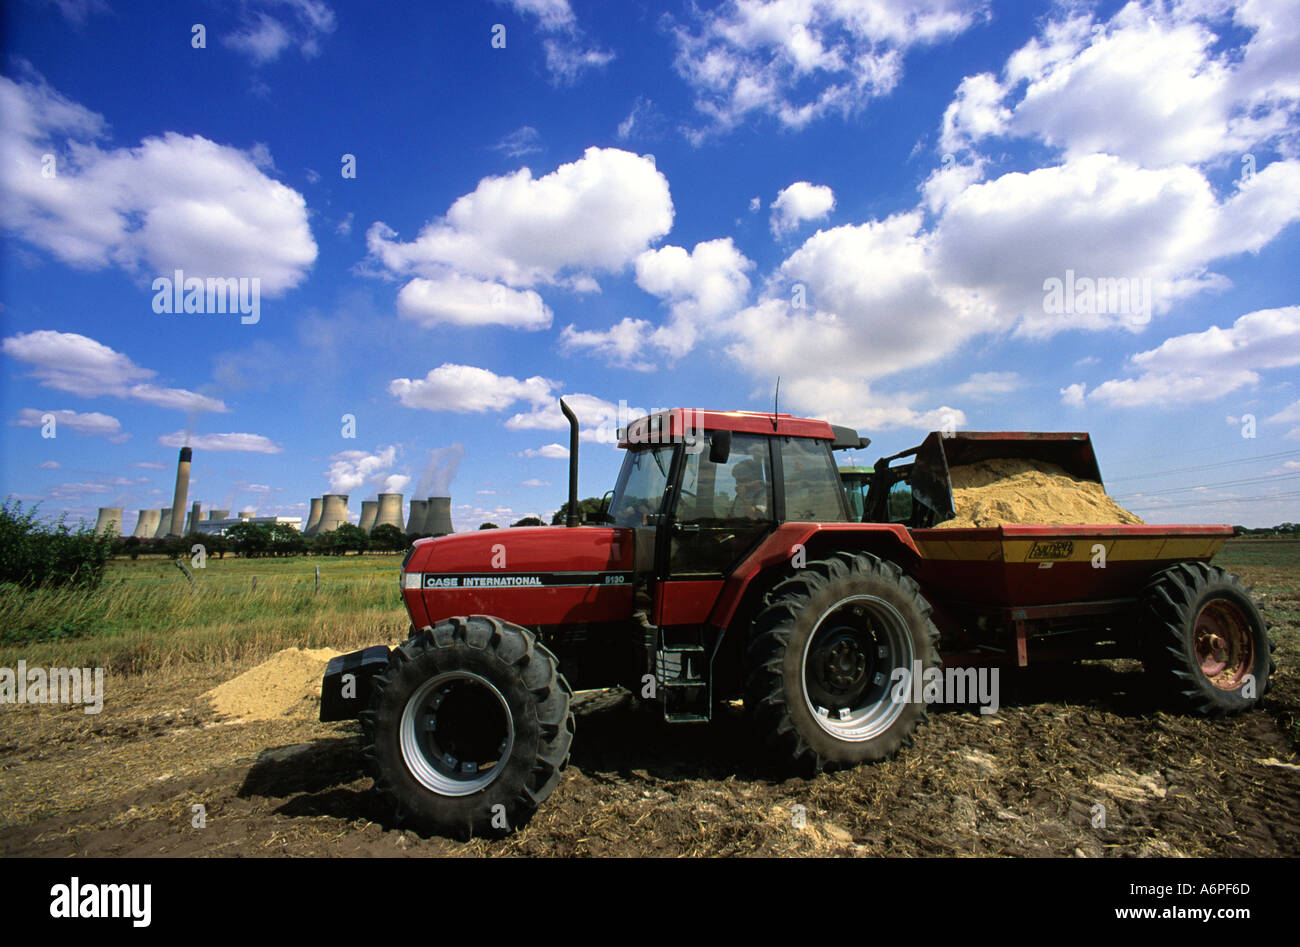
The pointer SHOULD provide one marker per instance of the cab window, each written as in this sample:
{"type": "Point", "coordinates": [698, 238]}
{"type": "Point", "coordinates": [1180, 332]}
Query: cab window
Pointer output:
{"type": "Point", "coordinates": [813, 492]}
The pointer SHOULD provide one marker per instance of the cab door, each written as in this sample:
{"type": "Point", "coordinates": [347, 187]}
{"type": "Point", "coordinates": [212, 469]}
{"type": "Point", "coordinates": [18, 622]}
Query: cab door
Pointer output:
{"type": "Point", "coordinates": [715, 515]}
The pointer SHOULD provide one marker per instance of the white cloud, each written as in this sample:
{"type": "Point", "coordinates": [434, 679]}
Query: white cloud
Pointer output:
{"type": "Point", "coordinates": [550, 451]}
{"type": "Point", "coordinates": [264, 34]}
{"type": "Point", "coordinates": [990, 384]}
{"type": "Point", "coordinates": [1289, 415]}
{"type": "Point", "coordinates": [466, 301]}
{"type": "Point", "coordinates": [534, 482]}
{"type": "Point", "coordinates": [643, 121]}
{"type": "Point", "coordinates": [524, 140]}
{"type": "Point", "coordinates": [596, 213]}
{"type": "Point", "coordinates": [598, 419]}
{"type": "Point", "coordinates": [1073, 395]}
{"type": "Point", "coordinates": [1103, 218]}
{"type": "Point", "coordinates": [352, 469]}
{"type": "Point", "coordinates": [799, 202]}
{"type": "Point", "coordinates": [466, 389]}
{"type": "Point", "coordinates": [1203, 366]}
{"type": "Point", "coordinates": [1157, 84]}
{"type": "Point", "coordinates": [853, 403]}
{"type": "Point", "coordinates": [91, 423]}
{"type": "Point", "coordinates": [700, 287]}
{"type": "Point", "coordinates": [49, 465]}
{"type": "Point", "coordinates": [172, 202]}
{"type": "Point", "coordinates": [567, 52]}
{"type": "Point", "coordinates": [67, 361]}
{"type": "Point", "coordinates": [250, 443]}
{"type": "Point", "coordinates": [798, 60]}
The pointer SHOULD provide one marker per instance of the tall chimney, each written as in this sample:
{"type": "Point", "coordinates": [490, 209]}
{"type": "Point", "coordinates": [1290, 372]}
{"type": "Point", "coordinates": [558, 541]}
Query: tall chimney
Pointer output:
{"type": "Point", "coordinates": [164, 524]}
{"type": "Point", "coordinates": [146, 525]}
{"type": "Point", "coordinates": [334, 512]}
{"type": "Point", "coordinates": [313, 517]}
{"type": "Point", "coordinates": [182, 490]}
{"type": "Point", "coordinates": [369, 510]}
{"type": "Point", "coordinates": [415, 522]}
{"type": "Point", "coordinates": [390, 510]}
{"type": "Point", "coordinates": [109, 522]}
{"type": "Point", "coordinates": [438, 522]}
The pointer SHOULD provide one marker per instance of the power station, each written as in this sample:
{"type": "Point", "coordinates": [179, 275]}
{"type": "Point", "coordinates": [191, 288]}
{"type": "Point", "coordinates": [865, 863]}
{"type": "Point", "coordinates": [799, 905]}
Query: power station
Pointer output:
{"type": "Point", "coordinates": [431, 517]}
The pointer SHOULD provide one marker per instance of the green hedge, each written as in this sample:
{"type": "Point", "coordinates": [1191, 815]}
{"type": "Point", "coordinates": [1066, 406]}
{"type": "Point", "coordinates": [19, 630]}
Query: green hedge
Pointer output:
{"type": "Point", "coordinates": [34, 553]}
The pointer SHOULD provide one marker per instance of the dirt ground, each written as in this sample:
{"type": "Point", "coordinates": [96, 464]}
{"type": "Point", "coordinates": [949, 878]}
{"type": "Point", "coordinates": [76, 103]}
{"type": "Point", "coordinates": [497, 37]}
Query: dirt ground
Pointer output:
{"type": "Point", "coordinates": [1025, 781]}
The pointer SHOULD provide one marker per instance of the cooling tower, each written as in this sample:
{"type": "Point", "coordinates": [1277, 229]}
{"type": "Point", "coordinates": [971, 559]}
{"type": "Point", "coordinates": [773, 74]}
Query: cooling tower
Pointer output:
{"type": "Point", "coordinates": [109, 522]}
{"type": "Point", "coordinates": [147, 524]}
{"type": "Point", "coordinates": [369, 510]}
{"type": "Point", "coordinates": [415, 522]}
{"type": "Point", "coordinates": [313, 518]}
{"type": "Point", "coordinates": [390, 511]}
{"type": "Point", "coordinates": [182, 490]}
{"type": "Point", "coordinates": [247, 514]}
{"type": "Point", "coordinates": [437, 520]}
{"type": "Point", "coordinates": [219, 515]}
{"type": "Point", "coordinates": [333, 512]}
{"type": "Point", "coordinates": [164, 524]}
{"type": "Point", "coordinates": [192, 521]}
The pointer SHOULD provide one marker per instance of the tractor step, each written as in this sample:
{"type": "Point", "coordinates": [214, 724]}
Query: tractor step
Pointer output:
{"type": "Point", "coordinates": [682, 671]}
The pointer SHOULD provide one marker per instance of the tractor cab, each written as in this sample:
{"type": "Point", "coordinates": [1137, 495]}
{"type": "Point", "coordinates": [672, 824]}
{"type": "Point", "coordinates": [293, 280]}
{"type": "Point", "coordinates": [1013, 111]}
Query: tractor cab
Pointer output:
{"type": "Point", "coordinates": [701, 490]}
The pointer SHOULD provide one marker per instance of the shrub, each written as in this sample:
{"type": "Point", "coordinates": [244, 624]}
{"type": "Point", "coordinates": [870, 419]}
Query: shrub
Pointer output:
{"type": "Point", "coordinates": [33, 553]}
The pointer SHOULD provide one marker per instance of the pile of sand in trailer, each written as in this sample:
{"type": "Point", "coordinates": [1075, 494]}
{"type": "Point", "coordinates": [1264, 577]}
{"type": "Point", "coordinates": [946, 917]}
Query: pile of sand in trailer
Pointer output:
{"type": "Point", "coordinates": [287, 684]}
{"type": "Point", "coordinates": [1002, 490]}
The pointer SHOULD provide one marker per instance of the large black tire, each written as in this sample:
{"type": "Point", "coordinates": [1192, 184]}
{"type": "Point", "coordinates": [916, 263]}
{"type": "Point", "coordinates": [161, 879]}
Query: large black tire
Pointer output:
{"type": "Point", "coordinates": [1205, 640]}
{"type": "Point", "coordinates": [474, 689]}
{"type": "Point", "coordinates": [833, 634]}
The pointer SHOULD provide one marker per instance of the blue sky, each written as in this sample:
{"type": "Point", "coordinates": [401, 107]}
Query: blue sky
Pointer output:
{"type": "Point", "coordinates": [649, 205]}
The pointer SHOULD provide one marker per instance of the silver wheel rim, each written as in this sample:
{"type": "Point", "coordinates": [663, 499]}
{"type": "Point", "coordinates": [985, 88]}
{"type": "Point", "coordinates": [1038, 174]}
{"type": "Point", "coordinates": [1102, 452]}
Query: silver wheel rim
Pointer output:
{"type": "Point", "coordinates": [432, 765]}
{"type": "Point", "coordinates": [891, 647]}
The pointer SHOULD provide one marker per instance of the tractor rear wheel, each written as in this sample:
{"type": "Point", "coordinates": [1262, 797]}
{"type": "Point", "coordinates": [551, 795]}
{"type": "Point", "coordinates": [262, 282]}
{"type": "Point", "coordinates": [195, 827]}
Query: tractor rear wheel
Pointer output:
{"type": "Point", "coordinates": [824, 660]}
{"type": "Point", "coordinates": [1206, 640]}
{"type": "Point", "coordinates": [469, 727]}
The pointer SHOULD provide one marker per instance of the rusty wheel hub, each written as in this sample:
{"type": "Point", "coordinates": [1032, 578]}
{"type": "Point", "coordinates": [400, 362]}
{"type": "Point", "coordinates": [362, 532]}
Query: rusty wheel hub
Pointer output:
{"type": "Point", "coordinates": [1224, 646]}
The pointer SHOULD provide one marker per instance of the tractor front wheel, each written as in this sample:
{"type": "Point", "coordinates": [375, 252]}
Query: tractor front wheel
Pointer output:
{"type": "Point", "coordinates": [469, 727]}
{"type": "Point", "coordinates": [831, 660]}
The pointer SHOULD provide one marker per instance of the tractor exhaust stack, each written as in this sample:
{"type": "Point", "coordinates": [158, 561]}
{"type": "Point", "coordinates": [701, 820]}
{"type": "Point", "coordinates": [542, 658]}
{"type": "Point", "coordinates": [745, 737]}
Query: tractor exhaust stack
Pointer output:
{"type": "Point", "coordinates": [572, 519]}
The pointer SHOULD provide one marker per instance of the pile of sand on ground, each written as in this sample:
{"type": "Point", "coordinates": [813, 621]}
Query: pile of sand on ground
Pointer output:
{"type": "Point", "coordinates": [1004, 490]}
{"type": "Point", "coordinates": [287, 684]}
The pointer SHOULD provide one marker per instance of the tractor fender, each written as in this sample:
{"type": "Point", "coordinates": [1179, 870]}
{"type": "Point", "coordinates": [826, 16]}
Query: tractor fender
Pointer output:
{"type": "Point", "coordinates": [794, 543]}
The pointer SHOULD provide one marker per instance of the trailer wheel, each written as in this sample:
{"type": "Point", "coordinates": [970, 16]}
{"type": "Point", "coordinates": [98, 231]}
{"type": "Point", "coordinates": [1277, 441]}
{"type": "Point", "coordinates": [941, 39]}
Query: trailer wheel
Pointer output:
{"type": "Point", "coordinates": [1206, 639]}
{"type": "Point", "coordinates": [469, 727]}
{"type": "Point", "coordinates": [821, 685]}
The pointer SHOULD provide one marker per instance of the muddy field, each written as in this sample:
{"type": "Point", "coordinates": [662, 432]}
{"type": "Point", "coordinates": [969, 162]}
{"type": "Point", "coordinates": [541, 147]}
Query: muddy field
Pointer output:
{"type": "Point", "coordinates": [1025, 781]}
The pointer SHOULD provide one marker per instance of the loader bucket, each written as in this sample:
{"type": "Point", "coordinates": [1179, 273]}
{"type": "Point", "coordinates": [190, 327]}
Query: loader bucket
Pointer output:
{"type": "Point", "coordinates": [938, 454]}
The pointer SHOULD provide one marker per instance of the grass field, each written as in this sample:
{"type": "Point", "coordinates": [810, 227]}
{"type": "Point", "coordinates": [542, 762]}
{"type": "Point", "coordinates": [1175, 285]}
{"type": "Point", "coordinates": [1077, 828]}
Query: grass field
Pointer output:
{"type": "Point", "coordinates": [148, 615]}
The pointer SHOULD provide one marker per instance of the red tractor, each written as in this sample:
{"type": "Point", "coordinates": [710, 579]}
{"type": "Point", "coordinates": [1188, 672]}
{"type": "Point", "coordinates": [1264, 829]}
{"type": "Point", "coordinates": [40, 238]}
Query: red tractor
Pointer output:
{"type": "Point", "coordinates": [726, 565]}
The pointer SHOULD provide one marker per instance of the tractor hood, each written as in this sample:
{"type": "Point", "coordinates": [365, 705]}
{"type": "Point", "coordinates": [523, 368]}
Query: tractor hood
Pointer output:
{"type": "Point", "coordinates": [531, 575]}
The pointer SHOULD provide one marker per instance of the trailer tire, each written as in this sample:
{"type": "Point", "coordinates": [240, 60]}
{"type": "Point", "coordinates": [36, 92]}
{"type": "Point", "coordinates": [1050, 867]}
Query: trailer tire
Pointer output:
{"type": "Point", "coordinates": [835, 633]}
{"type": "Point", "coordinates": [477, 689]}
{"type": "Point", "coordinates": [1206, 640]}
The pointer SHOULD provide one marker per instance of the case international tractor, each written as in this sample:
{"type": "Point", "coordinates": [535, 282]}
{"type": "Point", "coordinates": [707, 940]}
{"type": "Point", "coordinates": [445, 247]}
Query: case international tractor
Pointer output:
{"type": "Point", "coordinates": [728, 565]}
